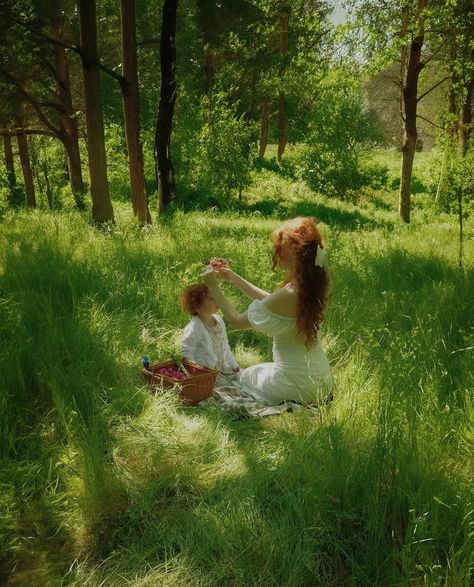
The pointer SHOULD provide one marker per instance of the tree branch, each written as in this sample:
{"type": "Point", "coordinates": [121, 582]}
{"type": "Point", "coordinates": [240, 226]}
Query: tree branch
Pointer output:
{"type": "Point", "coordinates": [318, 38]}
{"type": "Point", "coordinates": [76, 48]}
{"type": "Point", "coordinates": [111, 72]}
{"type": "Point", "coordinates": [435, 52]}
{"type": "Point", "coordinates": [430, 122]}
{"type": "Point", "coordinates": [46, 37]}
{"type": "Point", "coordinates": [35, 103]}
{"type": "Point", "coordinates": [14, 132]}
{"type": "Point", "coordinates": [149, 42]}
{"type": "Point", "coordinates": [397, 82]}
{"type": "Point", "coordinates": [432, 88]}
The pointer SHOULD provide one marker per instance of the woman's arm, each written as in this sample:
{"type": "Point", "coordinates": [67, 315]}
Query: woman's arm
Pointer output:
{"type": "Point", "coordinates": [249, 289]}
{"type": "Point", "coordinates": [237, 320]}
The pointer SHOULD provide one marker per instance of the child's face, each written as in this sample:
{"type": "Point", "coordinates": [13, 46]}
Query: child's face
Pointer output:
{"type": "Point", "coordinates": [209, 305]}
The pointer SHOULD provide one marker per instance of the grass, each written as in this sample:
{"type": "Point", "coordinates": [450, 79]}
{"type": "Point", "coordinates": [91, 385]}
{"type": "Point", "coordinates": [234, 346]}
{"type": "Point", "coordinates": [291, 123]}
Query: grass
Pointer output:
{"type": "Point", "coordinates": [104, 484]}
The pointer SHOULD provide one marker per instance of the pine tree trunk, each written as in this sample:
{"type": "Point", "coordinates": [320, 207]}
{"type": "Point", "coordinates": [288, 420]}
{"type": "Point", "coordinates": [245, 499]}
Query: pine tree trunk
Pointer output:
{"type": "Point", "coordinates": [26, 168]}
{"type": "Point", "coordinates": [410, 101]}
{"type": "Point", "coordinates": [70, 134]}
{"type": "Point", "coordinates": [164, 123]}
{"type": "Point", "coordinates": [101, 205]}
{"type": "Point", "coordinates": [263, 129]}
{"type": "Point", "coordinates": [282, 120]}
{"type": "Point", "coordinates": [9, 163]}
{"type": "Point", "coordinates": [131, 111]}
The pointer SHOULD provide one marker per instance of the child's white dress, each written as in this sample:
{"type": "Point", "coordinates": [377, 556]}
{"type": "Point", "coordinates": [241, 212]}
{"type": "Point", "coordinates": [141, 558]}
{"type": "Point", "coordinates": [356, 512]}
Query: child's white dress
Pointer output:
{"type": "Point", "coordinates": [296, 373]}
{"type": "Point", "coordinates": [208, 345]}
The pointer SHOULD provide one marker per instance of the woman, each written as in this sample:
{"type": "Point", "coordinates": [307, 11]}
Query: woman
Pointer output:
{"type": "Point", "coordinates": [292, 314]}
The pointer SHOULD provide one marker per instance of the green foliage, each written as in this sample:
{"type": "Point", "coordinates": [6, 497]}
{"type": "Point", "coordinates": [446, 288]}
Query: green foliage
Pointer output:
{"type": "Point", "coordinates": [117, 162]}
{"type": "Point", "coordinates": [216, 160]}
{"type": "Point", "coordinates": [342, 126]}
{"type": "Point", "coordinates": [460, 181]}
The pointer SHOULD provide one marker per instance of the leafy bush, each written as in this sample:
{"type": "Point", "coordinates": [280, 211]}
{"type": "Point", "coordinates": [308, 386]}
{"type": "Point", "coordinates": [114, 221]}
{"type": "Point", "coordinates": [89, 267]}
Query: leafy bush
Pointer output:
{"type": "Point", "coordinates": [215, 160]}
{"type": "Point", "coordinates": [341, 127]}
{"type": "Point", "coordinates": [374, 175]}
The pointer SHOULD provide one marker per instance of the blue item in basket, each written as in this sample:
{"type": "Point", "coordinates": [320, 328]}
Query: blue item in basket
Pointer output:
{"type": "Point", "coordinates": [146, 362]}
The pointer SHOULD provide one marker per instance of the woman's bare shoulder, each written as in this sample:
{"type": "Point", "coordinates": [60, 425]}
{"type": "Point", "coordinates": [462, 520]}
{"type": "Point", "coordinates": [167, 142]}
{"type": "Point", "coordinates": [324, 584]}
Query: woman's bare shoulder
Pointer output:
{"type": "Point", "coordinates": [283, 301]}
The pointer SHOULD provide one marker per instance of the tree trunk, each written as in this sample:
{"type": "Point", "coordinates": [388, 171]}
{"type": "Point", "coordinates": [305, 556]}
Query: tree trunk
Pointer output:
{"type": "Point", "coordinates": [282, 120]}
{"type": "Point", "coordinates": [101, 205]}
{"type": "Point", "coordinates": [73, 167]}
{"type": "Point", "coordinates": [263, 129]}
{"type": "Point", "coordinates": [131, 111]}
{"type": "Point", "coordinates": [27, 173]}
{"type": "Point", "coordinates": [410, 101]}
{"type": "Point", "coordinates": [9, 163]}
{"type": "Point", "coordinates": [465, 116]}
{"type": "Point", "coordinates": [164, 123]}
{"type": "Point", "coordinates": [207, 16]}
{"type": "Point", "coordinates": [47, 184]}
{"type": "Point", "coordinates": [70, 134]}
{"type": "Point", "coordinates": [408, 155]}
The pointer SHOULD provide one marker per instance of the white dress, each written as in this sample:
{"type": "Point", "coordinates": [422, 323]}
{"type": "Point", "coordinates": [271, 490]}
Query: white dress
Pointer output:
{"type": "Point", "coordinates": [296, 373]}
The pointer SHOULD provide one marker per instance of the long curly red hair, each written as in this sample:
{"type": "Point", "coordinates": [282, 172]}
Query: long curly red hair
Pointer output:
{"type": "Point", "coordinates": [300, 239]}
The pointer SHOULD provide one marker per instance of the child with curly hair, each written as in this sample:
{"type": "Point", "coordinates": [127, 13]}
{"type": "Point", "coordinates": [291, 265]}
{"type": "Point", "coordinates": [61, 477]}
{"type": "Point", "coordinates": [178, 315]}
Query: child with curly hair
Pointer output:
{"type": "Point", "coordinates": [204, 339]}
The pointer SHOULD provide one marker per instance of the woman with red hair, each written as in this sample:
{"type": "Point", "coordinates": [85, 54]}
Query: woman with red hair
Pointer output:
{"type": "Point", "coordinates": [292, 315]}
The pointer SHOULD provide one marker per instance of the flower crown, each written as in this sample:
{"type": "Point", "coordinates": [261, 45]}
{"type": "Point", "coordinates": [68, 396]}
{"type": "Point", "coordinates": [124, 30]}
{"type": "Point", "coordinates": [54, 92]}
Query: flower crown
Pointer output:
{"type": "Point", "coordinates": [320, 256]}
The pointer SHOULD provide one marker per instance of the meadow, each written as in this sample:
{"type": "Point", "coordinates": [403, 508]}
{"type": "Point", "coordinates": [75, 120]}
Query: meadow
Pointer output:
{"type": "Point", "coordinates": [103, 483]}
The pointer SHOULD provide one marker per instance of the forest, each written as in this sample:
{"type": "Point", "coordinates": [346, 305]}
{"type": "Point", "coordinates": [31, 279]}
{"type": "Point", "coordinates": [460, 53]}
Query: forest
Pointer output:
{"type": "Point", "coordinates": [142, 137]}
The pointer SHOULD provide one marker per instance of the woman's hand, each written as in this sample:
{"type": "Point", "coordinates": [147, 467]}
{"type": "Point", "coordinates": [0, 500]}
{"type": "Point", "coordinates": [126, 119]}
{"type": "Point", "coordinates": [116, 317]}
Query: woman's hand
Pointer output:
{"type": "Point", "coordinates": [210, 277]}
{"type": "Point", "coordinates": [221, 267]}
{"type": "Point", "coordinates": [226, 274]}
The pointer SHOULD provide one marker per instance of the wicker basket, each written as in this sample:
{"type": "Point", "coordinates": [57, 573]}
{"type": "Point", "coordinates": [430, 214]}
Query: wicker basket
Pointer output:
{"type": "Point", "coordinates": [192, 390]}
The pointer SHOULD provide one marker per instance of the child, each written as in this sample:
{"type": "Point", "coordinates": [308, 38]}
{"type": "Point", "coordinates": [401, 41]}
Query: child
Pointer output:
{"type": "Point", "coordinates": [205, 338]}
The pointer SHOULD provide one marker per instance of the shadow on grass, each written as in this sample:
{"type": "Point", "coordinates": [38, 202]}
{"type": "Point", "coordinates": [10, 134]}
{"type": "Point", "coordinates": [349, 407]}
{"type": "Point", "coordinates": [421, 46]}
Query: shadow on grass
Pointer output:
{"type": "Point", "coordinates": [281, 209]}
{"type": "Point", "coordinates": [415, 313]}
{"type": "Point", "coordinates": [313, 495]}
{"type": "Point", "coordinates": [334, 216]}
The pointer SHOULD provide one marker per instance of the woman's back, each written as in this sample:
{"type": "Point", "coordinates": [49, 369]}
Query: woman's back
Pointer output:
{"type": "Point", "coordinates": [289, 348]}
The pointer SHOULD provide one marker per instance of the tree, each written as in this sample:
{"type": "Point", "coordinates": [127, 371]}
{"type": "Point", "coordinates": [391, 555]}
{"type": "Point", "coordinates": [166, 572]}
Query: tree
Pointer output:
{"type": "Point", "coordinates": [26, 168]}
{"type": "Point", "coordinates": [164, 122]}
{"type": "Point", "coordinates": [401, 28]}
{"type": "Point", "coordinates": [101, 205]}
{"type": "Point", "coordinates": [410, 68]}
{"type": "Point", "coordinates": [9, 163]}
{"type": "Point", "coordinates": [131, 111]}
{"type": "Point", "coordinates": [69, 134]}
{"type": "Point", "coordinates": [35, 69]}
{"type": "Point", "coordinates": [282, 120]}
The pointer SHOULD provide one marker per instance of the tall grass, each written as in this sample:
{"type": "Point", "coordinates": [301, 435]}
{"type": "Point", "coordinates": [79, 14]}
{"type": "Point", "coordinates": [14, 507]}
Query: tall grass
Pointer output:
{"type": "Point", "coordinates": [104, 484]}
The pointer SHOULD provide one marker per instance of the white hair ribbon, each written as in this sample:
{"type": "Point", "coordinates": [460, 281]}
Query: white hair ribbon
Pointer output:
{"type": "Point", "coordinates": [320, 257]}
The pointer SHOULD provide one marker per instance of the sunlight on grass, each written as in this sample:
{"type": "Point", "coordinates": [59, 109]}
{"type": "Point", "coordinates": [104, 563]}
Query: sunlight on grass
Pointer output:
{"type": "Point", "coordinates": [127, 487]}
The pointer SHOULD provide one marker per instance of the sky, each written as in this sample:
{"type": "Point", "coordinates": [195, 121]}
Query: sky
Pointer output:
{"type": "Point", "coordinates": [338, 15]}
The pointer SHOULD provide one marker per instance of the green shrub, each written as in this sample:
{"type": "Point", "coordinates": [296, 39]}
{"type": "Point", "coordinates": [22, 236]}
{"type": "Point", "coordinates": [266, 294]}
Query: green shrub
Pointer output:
{"type": "Point", "coordinates": [374, 175]}
{"type": "Point", "coordinates": [214, 153]}
{"type": "Point", "coordinates": [342, 125]}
